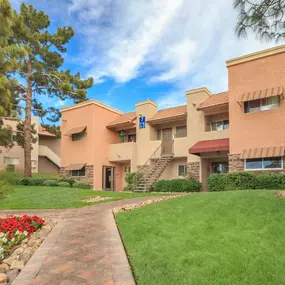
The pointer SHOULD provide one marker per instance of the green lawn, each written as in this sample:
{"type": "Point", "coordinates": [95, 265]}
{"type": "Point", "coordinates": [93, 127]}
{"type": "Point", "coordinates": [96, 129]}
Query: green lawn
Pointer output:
{"type": "Point", "coordinates": [225, 238]}
{"type": "Point", "coordinates": [39, 197]}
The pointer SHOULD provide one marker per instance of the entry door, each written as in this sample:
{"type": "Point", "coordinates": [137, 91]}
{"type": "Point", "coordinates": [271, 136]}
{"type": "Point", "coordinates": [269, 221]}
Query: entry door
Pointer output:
{"type": "Point", "coordinates": [108, 178]}
{"type": "Point", "coordinates": [166, 141]}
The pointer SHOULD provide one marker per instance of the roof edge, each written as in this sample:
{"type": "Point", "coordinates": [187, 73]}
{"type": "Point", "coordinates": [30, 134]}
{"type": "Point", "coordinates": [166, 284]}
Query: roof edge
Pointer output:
{"type": "Point", "coordinates": [146, 102]}
{"type": "Point", "coordinates": [196, 90]}
{"type": "Point", "coordinates": [211, 106]}
{"type": "Point", "coordinates": [255, 55]}
{"type": "Point", "coordinates": [92, 102]}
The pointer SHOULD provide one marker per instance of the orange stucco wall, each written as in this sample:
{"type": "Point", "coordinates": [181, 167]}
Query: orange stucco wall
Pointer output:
{"type": "Point", "coordinates": [94, 149]}
{"type": "Point", "coordinates": [258, 129]}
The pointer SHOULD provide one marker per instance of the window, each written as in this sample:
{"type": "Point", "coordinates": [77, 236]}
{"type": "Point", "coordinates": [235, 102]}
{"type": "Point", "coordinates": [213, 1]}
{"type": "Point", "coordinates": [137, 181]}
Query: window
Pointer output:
{"type": "Point", "coordinates": [181, 132]}
{"type": "Point", "coordinates": [79, 136]}
{"type": "Point", "coordinates": [132, 138]}
{"type": "Point", "coordinates": [220, 125]}
{"type": "Point", "coordinates": [262, 104]}
{"type": "Point", "coordinates": [11, 160]}
{"type": "Point", "coordinates": [158, 135]}
{"type": "Point", "coordinates": [80, 172]}
{"type": "Point", "coordinates": [182, 170]}
{"type": "Point", "coordinates": [263, 163]}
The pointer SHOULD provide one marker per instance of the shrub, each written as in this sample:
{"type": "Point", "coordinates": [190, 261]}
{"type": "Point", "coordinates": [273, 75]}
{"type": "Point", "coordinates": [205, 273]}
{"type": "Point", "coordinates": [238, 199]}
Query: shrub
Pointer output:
{"type": "Point", "coordinates": [82, 185]}
{"type": "Point", "coordinates": [268, 181]}
{"type": "Point", "coordinates": [50, 183]}
{"type": "Point", "coordinates": [177, 185]}
{"type": "Point", "coordinates": [245, 181]}
{"type": "Point", "coordinates": [23, 181]}
{"type": "Point", "coordinates": [70, 181]}
{"type": "Point", "coordinates": [36, 181]}
{"type": "Point", "coordinates": [10, 167]}
{"type": "Point", "coordinates": [63, 184]}
{"type": "Point", "coordinates": [5, 188]}
{"type": "Point", "coordinates": [132, 179]}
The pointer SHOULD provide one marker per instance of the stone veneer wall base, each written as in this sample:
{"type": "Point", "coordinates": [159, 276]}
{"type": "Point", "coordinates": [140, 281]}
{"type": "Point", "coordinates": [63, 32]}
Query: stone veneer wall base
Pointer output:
{"type": "Point", "coordinates": [88, 174]}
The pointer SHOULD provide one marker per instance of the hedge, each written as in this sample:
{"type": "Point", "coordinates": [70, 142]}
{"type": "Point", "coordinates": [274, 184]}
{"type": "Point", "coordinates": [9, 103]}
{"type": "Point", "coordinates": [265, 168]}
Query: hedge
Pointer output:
{"type": "Point", "coordinates": [245, 181]}
{"type": "Point", "coordinates": [63, 184]}
{"type": "Point", "coordinates": [177, 185]}
{"type": "Point", "coordinates": [50, 183]}
{"type": "Point", "coordinates": [82, 185]}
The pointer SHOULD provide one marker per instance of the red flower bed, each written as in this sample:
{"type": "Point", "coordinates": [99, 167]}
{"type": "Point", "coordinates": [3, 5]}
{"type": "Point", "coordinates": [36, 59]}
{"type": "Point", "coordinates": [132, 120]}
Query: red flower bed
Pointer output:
{"type": "Point", "coordinates": [15, 229]}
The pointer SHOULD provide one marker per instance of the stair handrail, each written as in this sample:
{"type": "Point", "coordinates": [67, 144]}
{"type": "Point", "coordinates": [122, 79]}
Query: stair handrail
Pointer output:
{"type": "Point", "coordinates": [141, 170]}
{"type": "Point", "coordinates": [155, 164]}
{"type": "Point", "coordinates": [139, 180]}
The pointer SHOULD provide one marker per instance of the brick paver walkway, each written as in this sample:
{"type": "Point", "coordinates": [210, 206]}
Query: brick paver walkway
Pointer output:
{"type": "Point", "coordinates": [84, 248]}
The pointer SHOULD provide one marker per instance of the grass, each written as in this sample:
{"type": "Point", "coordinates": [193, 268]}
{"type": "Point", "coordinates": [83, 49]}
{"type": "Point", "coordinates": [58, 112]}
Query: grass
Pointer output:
{"type": "Point", "coordinates": [222, 238]}
{"type": "Point", "coordinates": [40, 197]}
{"type": "Point", "coordinates": [12, 177]}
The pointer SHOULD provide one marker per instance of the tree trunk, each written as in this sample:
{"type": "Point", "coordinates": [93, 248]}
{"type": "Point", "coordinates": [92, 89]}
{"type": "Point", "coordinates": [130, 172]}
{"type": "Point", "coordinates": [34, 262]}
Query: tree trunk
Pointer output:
{"type": "Point", "coordinates": [28, 125]}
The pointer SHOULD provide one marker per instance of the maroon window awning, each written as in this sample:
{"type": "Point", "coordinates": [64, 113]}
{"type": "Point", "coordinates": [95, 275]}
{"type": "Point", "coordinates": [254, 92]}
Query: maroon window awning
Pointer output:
{"type": "Point", "coordinates": [210, 146]}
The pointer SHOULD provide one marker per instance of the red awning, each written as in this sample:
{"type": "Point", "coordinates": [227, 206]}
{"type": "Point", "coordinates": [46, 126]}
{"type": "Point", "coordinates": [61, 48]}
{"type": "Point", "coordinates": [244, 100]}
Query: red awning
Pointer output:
{"type": "Point", "coordinates": [210, 146]}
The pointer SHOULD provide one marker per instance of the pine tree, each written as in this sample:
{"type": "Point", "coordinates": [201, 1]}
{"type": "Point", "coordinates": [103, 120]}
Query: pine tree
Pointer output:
{"type": "Point", "coordinates": [41, 71]}
{"type": "Point", "coordinates": [10, 58]}
{"type": "Point", "coordinates": [266, 18]}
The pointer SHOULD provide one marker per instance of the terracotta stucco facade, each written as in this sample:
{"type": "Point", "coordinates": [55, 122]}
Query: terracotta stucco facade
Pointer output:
{"type": "Point", "coordinates": [208, 134]}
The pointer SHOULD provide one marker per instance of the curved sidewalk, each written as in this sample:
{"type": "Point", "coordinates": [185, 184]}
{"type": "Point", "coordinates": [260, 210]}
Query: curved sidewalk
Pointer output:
{"type": "Point", "coordinates": [83, 248]}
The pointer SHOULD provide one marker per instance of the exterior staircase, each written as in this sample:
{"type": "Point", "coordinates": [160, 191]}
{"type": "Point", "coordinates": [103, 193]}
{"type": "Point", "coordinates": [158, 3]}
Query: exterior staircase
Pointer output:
{"type": "Point", "coordinates": [152, 169]}
{"type": "Point", "coordinates": [49, 154]}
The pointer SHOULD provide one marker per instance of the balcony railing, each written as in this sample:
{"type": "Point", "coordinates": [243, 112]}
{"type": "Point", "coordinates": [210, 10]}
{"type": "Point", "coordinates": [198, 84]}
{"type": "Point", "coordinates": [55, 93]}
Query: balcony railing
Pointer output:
{"type": "Point", "coordinates": [122, 151]}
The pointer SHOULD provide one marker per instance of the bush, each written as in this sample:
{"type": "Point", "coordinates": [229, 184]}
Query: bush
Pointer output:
{"type": "Point", "coordinates": [245, 181]}
{"type": "Point", "coordinates": [50, 183]}
{"type": "Point", "coordinates": [36, 181]}
{"type": "Point", "coordinates": [10, 167]}
{"type": "Point", "coordinates": [177, 185]}
{"type": "Point", "coordinates": [70, 181]}
{"type": "Point", "coordinates": [131, 180]}
{"type": "Point", "coordinates": [82, 185]}
{"type": "Point", "coordinates": [63, 184]}
{"type": "Point", "coordinates": [5, 188]}
{"type": "Point", "coordinates": [24, 181]}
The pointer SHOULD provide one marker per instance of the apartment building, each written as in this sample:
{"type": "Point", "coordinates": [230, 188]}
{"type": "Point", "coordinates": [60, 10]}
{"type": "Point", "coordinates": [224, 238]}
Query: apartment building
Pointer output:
{"type": "Point", "coordinates": [237, 130]}
{"type": "Point", "coordinates": [45, 152]}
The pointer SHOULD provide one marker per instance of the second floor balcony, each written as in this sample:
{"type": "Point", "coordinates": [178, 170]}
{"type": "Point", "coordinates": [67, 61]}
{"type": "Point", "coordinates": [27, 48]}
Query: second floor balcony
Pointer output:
{"type": "Point", "coordinates": [121, 152]}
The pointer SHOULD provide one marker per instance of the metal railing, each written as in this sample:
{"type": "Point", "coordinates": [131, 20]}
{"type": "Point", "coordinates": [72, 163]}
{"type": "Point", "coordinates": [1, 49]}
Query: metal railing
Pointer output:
{"type": "Point", "coordinates": [140, 174]}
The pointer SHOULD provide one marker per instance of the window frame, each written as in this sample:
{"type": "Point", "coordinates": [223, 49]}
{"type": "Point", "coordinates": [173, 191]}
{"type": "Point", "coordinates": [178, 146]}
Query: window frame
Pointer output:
{"type": "Point", "coordinates": [11, 158]}
{"type": "Point", "coordinates": [78, 171]}
{"type": "Point", "coordinates": [184, 136]}
{"type": "Point", "coordinates": [185, 169]}
{"type": "Point", "coordinates": [81, 136]}
{"type": "Point", "coordinates": [262, 161]}
{"type": "Point", "coordinates": [262, 107]}
{"type": "Point", "coordinates": [224, 124]}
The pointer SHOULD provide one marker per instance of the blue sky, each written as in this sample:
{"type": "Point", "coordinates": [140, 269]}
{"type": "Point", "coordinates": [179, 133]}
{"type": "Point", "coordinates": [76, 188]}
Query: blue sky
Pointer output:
{"type": "Point", "coordinates": [148, 49]}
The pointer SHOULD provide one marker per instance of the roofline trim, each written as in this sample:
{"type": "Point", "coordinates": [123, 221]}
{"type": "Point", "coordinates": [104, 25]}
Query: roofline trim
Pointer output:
{"type": "Point", "coordinates": [210, 106]}
{"type": "Point", "coordinates": [255, 55]}
{"type": "Point", "coordinates": [196, 90]}
{"type": "Point", "coordinates": [92, 102]}
{"type": "Point", "coordinates": [170, 118]}
{"type": "Point", "coordinates": [146, 102]}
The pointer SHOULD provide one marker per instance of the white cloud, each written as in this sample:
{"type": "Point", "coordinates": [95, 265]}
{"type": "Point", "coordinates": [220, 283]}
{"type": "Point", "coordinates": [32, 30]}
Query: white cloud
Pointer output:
{"type": "Point", "coordinates": [181, 42]}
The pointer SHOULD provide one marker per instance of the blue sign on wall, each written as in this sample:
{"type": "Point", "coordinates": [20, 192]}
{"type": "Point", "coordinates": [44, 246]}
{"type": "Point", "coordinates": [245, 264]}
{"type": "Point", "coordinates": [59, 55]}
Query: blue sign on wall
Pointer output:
{"type": "Point", "coordinates": [142, 122]}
